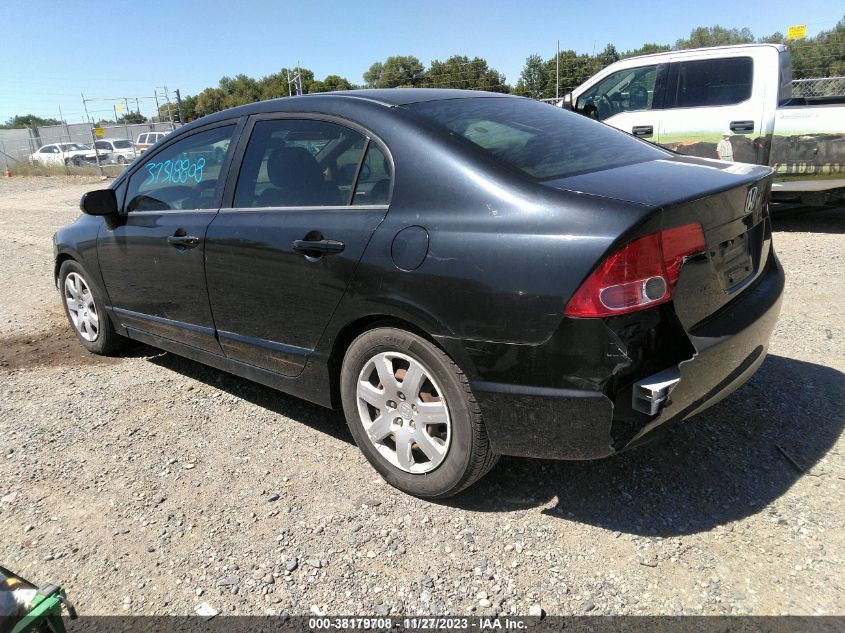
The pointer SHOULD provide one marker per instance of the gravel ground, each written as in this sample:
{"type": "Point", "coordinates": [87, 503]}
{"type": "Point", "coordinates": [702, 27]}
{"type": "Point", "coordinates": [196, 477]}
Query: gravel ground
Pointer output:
{"type": "Point", "coordinates": [149, 484]}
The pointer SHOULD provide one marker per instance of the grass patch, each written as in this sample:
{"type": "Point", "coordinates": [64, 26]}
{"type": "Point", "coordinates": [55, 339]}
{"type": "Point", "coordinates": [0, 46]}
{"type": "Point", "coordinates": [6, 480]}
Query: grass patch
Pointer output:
{"type": "Point", "coordinates": [26, 168]}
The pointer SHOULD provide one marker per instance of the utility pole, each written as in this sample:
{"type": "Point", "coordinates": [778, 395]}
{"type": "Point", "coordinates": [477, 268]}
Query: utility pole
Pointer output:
{"type": "Point", "coordinates": [179, 107]}
{"type": "Point", "coordinates": [557, 71]}
{"type": "Point", "coordinates": [169, 111]}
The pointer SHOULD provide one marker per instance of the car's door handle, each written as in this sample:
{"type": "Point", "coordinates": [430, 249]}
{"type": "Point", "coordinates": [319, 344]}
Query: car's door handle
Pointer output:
{"type": "Point", "coordinates": [318, 247]}
{"type": "Point", "coordinates": [183, 241]}
{"type": "Point", "coordinates": [742, 126]}
{"type": "Point", "coordinates": [642, 130]}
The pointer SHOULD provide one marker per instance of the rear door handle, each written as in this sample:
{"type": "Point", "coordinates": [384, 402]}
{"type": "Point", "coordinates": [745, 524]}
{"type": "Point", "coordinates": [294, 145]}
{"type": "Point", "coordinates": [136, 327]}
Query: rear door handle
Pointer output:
{"type": "Point", "coordinates": [642, 130]}
{"type": "Point", "coordinates": [318, 247]}
{"type": "Point", "coordinates": [742, 126]}
{"type": "Point", "coordinates": [183, 241]}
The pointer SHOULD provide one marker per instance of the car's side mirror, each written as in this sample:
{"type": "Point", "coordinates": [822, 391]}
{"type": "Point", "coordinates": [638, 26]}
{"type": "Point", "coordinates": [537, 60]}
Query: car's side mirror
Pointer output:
{"type": "Point", "coordinates": [99, 202]}
{"type": "Point", "coordinates": [567, 101]}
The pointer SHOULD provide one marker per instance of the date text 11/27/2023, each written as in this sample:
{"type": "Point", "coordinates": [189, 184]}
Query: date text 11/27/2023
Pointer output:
{"type": "Point", "coordinates": [421, 623]}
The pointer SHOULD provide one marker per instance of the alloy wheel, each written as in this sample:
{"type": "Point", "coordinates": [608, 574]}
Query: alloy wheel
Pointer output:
{"type": "Point", "coordinates": [404, 412]}
{"type": "Point", "coordinates": [81, 307]}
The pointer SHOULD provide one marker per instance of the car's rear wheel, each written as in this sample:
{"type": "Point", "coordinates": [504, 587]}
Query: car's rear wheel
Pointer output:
{"type": "Point", "coordinates": [412, 413]}
{"type": "Point", "coordinates": [84, 309]}
{"type": "Point", "coordinates": [121, 160]}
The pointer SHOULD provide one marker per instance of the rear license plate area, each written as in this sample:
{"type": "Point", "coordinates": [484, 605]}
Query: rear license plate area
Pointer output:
{"type": "Point", "coordinates": [735, 261]}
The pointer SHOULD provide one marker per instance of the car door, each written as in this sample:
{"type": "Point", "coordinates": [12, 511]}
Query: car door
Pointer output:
{"type": "Point", "coordinates": [278, 260]}
{"type": "Point", "coordinates": [153, 262]}
{"type": "Point", "coordinates": [629, 99]}
{"type": "Point", "coordinates": [711, 110]}
{"type": "Point", "coordinates": [50, 155]}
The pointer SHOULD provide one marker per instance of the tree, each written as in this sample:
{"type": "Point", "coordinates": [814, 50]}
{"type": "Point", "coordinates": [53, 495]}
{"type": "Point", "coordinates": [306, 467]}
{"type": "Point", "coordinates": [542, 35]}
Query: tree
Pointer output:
{"type": "Point", "coordinates": [132, 117]}
{"type": "Point", "coordinates": [704, 36]}
{"type": "Point", "coordinates": [459, 71]}
{"type": "Point", "coordinates": [647, 49]}
{"type": "Point", "coordinates": [532, 79]}
{"type": "Point", "coordinates": [609, 56]}
{"type": "Point", "coordinates": [189, 108]}
{"type": "Point", "coordinates": [396, 71]}
{"type": "Point", "coordinates": [26, 120]}
{"type": "Point", "coordinates": [209, 101]}
{"type": "Point", "coordinates": [330, 84]}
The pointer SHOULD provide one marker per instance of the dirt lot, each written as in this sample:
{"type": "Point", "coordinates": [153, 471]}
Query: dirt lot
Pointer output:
{"type": "Point", "coordinates": [151, 484]}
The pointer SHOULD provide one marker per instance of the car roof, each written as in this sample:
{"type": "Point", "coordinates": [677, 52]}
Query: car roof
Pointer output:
{"type": "Point", "coordinates": [404, 96]}
{"type": "Point", "coordinates": [387, 97]}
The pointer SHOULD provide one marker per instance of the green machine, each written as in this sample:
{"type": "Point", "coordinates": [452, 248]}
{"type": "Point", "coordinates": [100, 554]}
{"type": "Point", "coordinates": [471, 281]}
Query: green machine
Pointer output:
{"type": "Point", "coordinates": [26, 607]}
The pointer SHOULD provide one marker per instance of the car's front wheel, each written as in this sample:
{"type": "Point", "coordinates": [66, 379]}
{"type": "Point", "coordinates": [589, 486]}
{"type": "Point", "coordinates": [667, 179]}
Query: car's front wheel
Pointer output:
{"type": "Point", "coordinates": [84, 309]}
{"type": "Point", "coordinates": [412, 413]}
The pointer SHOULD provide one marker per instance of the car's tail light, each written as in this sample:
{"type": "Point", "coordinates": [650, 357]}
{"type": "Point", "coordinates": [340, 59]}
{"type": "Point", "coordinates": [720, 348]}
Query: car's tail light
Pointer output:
{"type": "Point", "coordinates": [641, 274]}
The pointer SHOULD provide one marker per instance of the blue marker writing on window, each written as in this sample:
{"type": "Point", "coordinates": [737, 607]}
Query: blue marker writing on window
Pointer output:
{"type": "Point", "coordinates": [176, 172]}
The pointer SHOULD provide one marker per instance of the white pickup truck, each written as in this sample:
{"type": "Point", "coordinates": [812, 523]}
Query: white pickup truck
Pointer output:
{"type": "Point", "coordinates": [727, 103]}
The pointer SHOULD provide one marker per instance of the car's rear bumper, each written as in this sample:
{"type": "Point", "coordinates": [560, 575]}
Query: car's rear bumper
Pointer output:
{"type": "Point", "coordinates": [585, 423]}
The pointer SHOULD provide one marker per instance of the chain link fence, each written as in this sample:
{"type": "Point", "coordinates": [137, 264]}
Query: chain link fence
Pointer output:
{"type": "Point", "coordinates": [819, 87]}
{"type": "Point", "coordinates": [18, 145]}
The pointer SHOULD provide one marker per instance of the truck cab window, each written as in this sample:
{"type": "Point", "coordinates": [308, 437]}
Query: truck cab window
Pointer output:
{"type": "Point", "coordinates": [710, 82]}
{"type": "Point", "coordinates": [626, 90]}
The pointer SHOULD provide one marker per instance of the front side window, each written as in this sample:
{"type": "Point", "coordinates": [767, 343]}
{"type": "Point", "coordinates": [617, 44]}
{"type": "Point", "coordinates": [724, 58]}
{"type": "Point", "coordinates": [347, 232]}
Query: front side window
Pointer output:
{"type": "Point", "coordinates": [142, 140]}
{"type": "Point", "coordinates": [293, 163]}
{"type": "Point", "coordinates": [122, 144]}
{"type": "Point", "coordinates": [184, 175]}
{"type": "Point", "coordinates": [103, 145]}
{"type": "Point", "coordinates": [710, 82]}
{"type": "Point", "coordinates": [541, 140]}
{"type": "Point", "coordinates": [623, 91]}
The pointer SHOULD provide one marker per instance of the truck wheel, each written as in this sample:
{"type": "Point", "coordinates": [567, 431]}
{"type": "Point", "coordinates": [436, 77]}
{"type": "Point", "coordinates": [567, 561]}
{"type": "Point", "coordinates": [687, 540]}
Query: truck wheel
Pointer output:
{"type": "Point", "coordinates": [412, 413]}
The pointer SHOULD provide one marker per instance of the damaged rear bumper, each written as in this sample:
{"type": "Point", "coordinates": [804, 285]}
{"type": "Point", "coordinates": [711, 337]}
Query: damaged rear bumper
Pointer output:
{"type": "Point", "coordinates": [573, 397]}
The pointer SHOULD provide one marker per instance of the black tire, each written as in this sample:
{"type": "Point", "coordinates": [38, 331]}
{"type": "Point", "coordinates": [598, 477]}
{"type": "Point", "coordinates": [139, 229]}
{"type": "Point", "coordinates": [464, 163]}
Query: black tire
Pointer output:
{"type": "Point", "coordinates": [469, 456]}
{"type": "Point", "coordinates": [121, 160]}
{"type": "Point", "coordinates": [107, 340]}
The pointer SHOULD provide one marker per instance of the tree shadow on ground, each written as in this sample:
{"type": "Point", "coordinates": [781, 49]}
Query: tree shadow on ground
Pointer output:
{"type": "Point", "coordinates": [720, 466]}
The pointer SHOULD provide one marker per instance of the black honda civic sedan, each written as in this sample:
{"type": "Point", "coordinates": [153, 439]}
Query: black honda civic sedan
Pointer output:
{"type": "Point", "coordinates": [466, 274]}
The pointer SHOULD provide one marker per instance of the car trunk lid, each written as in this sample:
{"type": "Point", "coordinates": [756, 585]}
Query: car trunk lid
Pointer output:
{"type": "Point", "coordinates": [728, 200]}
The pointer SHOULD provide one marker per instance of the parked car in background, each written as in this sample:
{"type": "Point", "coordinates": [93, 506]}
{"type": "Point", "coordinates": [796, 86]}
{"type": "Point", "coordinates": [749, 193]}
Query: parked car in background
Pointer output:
{"type": "Point", "coordinates": [466, 274]}
{"type": "Point", "coordinates": [67, 154]}
{"type": "Point", "coordinates": [121, 150]}
{"type": "Point", "coordinates": [733, 103]}
{"type": "Point", "coordinates": [148, 139]}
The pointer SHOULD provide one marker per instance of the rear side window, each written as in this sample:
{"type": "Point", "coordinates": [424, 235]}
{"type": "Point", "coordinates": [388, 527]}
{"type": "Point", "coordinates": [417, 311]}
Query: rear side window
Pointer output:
{"type": "Point", "coordinates": [183, 175]}
{"type": "Point", "coordinates": [296, 163]}
{"type": "Point", "coordinates": [539, 139]}
{"type": "Point", "coordinates": [709, 82]}
{"type": "Point", "coordinates": [373, 185]}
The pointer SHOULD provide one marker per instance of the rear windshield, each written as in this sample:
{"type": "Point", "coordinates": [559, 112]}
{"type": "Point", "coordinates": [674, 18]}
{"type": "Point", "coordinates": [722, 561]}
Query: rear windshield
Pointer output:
{"type": "Point", "coordinates": [539, 139]}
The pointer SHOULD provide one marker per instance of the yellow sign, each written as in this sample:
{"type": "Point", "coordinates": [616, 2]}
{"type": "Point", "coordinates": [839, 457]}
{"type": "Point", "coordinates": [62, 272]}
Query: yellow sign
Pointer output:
{"type": "Point", "coordinates": [797, 32]}
{"type": "Point", "coordinates": [98, 131]}
{"type": "Point", "coordinates": [120, 108]}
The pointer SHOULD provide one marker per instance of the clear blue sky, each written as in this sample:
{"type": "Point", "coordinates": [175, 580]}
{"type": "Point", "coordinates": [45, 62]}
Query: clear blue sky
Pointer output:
{"type": "Point", "coordinates": [53, 51]}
